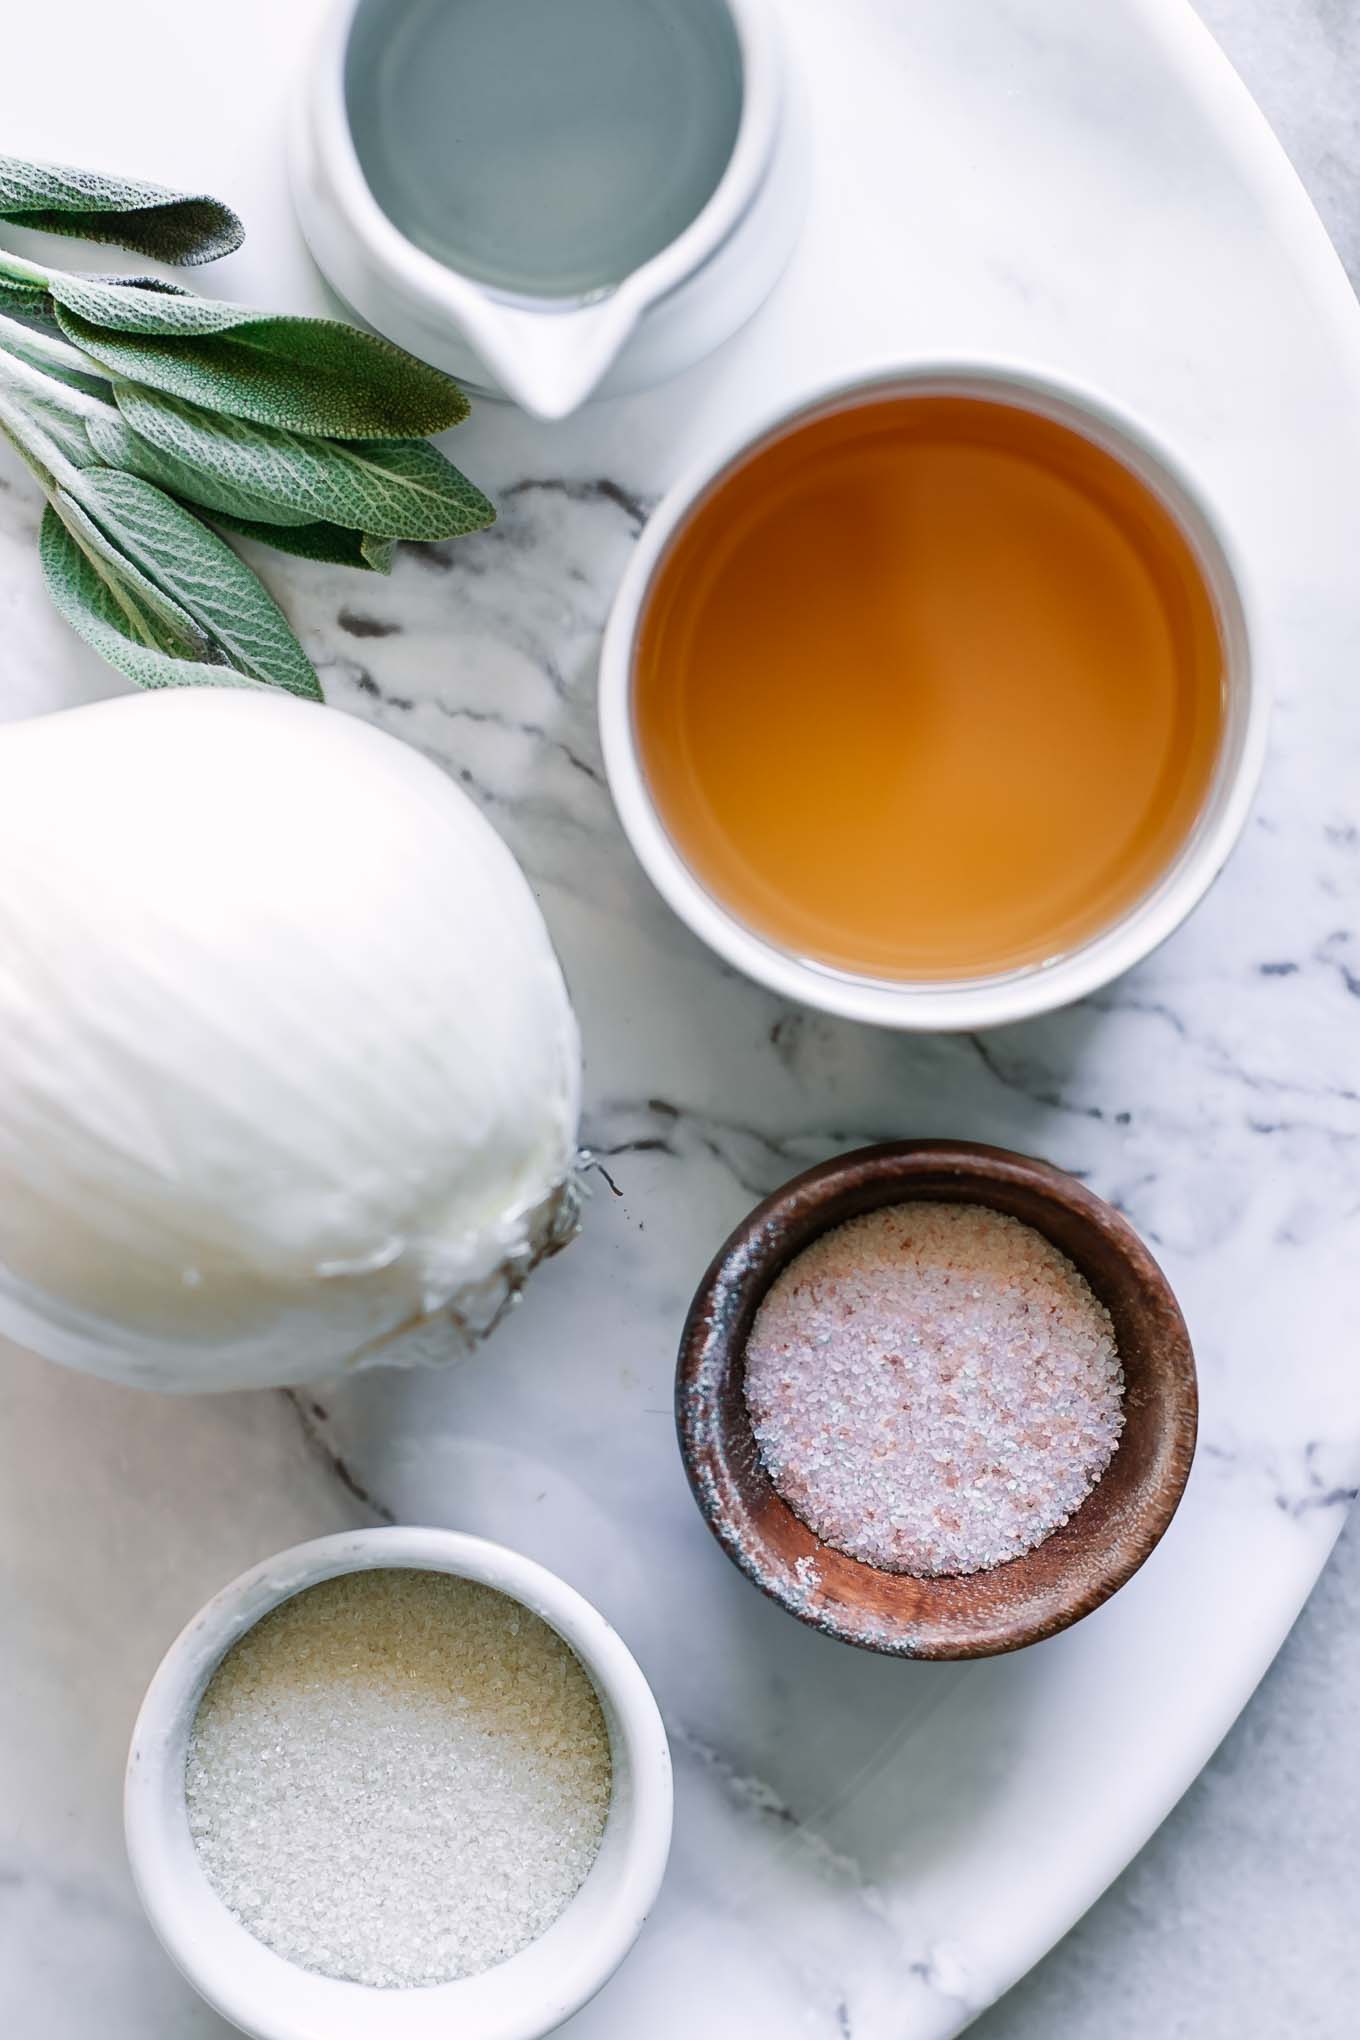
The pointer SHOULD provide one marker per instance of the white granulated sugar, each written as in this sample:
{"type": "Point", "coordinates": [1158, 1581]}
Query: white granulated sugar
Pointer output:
{"type": "Point", "coordinates": [398, 1777]}
{"type": "Point", "coordinates": [934, 1388]}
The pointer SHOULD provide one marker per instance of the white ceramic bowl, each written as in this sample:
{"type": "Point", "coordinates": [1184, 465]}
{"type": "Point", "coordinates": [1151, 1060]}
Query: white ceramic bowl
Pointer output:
{"type": "Point", "coordinates": [273, 1999]}
{"type": "Point", "coordinates": [974, 1002]}
{"type": "Point", "coordinates": [549, 356]}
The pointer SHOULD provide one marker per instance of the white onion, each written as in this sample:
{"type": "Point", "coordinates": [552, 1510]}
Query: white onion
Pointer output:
{"type": "Point", "coordinates": [289, 1076]}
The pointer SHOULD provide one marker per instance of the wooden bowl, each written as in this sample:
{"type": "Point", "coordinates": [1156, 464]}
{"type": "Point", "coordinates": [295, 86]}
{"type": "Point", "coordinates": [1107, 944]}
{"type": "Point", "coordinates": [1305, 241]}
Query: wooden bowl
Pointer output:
{"type": "Point", "coordinates": [958, 1616]}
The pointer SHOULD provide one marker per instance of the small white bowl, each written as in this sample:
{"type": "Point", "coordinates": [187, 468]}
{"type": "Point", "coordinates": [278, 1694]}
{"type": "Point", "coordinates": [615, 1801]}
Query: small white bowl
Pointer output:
{"type": "Point", "coordinates": [273, 1999]}
{"type": "Point", "coordinates": [964, 1004]}
{"type": "Point", "coordinates": [550, 355]}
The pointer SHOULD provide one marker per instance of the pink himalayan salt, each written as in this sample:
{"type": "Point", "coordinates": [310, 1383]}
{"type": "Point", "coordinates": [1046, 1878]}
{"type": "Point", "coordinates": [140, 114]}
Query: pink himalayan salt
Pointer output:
{"type": "Point", "coordinates": [934, 1388]}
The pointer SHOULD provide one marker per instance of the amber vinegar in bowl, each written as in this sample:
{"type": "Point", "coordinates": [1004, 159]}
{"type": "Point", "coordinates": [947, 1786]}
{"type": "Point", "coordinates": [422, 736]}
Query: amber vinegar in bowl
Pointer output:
{"type": "Point", "coordinates": [932, 702]}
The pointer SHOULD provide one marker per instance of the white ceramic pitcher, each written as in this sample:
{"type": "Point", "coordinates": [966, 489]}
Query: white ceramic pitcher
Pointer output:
{"type": "Point", "coordinates": [550, 354]}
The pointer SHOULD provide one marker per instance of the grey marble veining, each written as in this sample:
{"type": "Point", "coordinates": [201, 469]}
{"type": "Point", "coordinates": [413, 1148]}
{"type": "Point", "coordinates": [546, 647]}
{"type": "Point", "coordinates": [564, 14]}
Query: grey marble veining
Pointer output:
{"type": "Point", "coordinates": [1237, 1922]}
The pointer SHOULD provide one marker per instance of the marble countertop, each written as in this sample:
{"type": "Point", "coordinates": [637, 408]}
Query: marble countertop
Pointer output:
{"type": "Point", "coordinates": [1237, 1921]}
{"type": "Point", "coordinates": [865, 1850]}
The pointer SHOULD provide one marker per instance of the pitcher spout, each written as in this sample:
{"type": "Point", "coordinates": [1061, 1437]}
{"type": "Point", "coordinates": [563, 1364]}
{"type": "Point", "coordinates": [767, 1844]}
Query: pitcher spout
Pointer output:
{"type": "Point", "coordinates": [549, 361]}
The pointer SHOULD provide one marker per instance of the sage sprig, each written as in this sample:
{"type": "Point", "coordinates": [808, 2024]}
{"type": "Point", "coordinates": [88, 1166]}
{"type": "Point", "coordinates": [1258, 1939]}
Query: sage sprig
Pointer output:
{"type": "Point", "coordinates": [144, 410]}
{"type": "Point", "coordinates": [305, 375]}
{"type": "Point", "coordinates": [167, 225]}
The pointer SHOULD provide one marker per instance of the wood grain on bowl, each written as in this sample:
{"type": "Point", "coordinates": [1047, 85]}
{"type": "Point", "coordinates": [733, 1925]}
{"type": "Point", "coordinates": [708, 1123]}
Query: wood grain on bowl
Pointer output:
{"type": "Point", "coordinates": [979, 1614]}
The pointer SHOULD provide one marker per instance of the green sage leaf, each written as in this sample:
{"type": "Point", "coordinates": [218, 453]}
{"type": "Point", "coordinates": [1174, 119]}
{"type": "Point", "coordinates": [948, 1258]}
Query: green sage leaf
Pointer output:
{"type": "Point", "coordinates": [63, 427]}
{"type": "Point", "coordinates": [171, 226]}
{"type": "Point", "coordinates": [157, 617]}
{"type": "Point", "coordinates": [377, 553]}
{"type": "Point", "coordinates": [330, 543]}
{"type": "Point", "coordinates": [27, 300]}
{"type": "Point", "coordinates": [74, 378]}
{"type": "Point", "coordinates": [28, 431]}
{"type": "Point", "coordinates": [202, 575]}
{"type": "Point", "coordinates": [110, 604]}
{"type": "Point", "coordinates": [54, 360]}
{"type": "Point", "coordinates": [301, 375]}
{"type": "Point", "coordinates": [160, 283]}
{"type": "Point", "coordinates": [96, 612]}
{"type": "Point", "coordinates": [393, 488]}
{"type": "Point", "coordinates": [118, 446]}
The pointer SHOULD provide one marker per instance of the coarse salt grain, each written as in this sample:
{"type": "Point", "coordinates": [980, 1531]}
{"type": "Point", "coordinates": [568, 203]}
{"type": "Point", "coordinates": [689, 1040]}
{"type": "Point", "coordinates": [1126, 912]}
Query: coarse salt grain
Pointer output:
{"type": "Point", "coordinates": [398, 1777]}
{"type": "Point", "coordinates": [934, 1388]}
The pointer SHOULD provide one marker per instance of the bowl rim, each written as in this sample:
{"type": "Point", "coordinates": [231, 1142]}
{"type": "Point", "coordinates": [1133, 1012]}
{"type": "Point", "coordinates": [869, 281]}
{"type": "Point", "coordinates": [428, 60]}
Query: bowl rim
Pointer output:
{"type": "Point", "coordinates": [749, 1261]}
{"type": "Point", "coordinates": [444, 289]}
{"type": "Point", "coordinates": [927, 1006]}
{"type": "Point", "coordinates": [266, 1995]}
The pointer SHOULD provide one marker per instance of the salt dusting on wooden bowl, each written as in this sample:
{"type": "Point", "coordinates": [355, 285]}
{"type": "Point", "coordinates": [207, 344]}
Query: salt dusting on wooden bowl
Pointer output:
{"type": "Point", "coordinates": [978, 1614]}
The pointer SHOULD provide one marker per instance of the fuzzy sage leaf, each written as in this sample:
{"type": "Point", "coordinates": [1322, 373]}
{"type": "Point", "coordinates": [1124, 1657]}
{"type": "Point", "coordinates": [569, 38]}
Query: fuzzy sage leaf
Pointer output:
{"type": "Point", "coordinates": [103, 613]}
{"type": "Point", "coordinates": [394, 488]}
{"type": "Point", "coordinates": [28, 300]}
{"type": "Point", "coordinates": [35, 395]}
{"type": "Point", "coordinates": [161, 283]}
{"type": "Point", "coordinates": [142, 408]}
{"type": "Point", "coordinates": [111, 589]}
{"type": "Point", "coordinates": [170, 226]}
{"type": "Point", "coordinates": [301, 375]}
{"type": "Point", "coordinates": [331, 544]}
{"type": "Point", "coordinates": [156, 616]}
{"type": "Point", "coordinates": [63, 430]}
{"type": "Point", "coordinates": [202, 575]}
{"type": "Point", "coordinates": [35, 348]}
{"type": "Point", "coordinates": [118, 446]}
{"type": "Point", "coordinates": [140, 578]}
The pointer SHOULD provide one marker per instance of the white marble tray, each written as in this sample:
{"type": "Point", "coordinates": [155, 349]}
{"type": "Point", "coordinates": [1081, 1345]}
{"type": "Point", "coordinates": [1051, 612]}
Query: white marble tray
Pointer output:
{"type": "Point", "coordinates": [863, 1848]}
